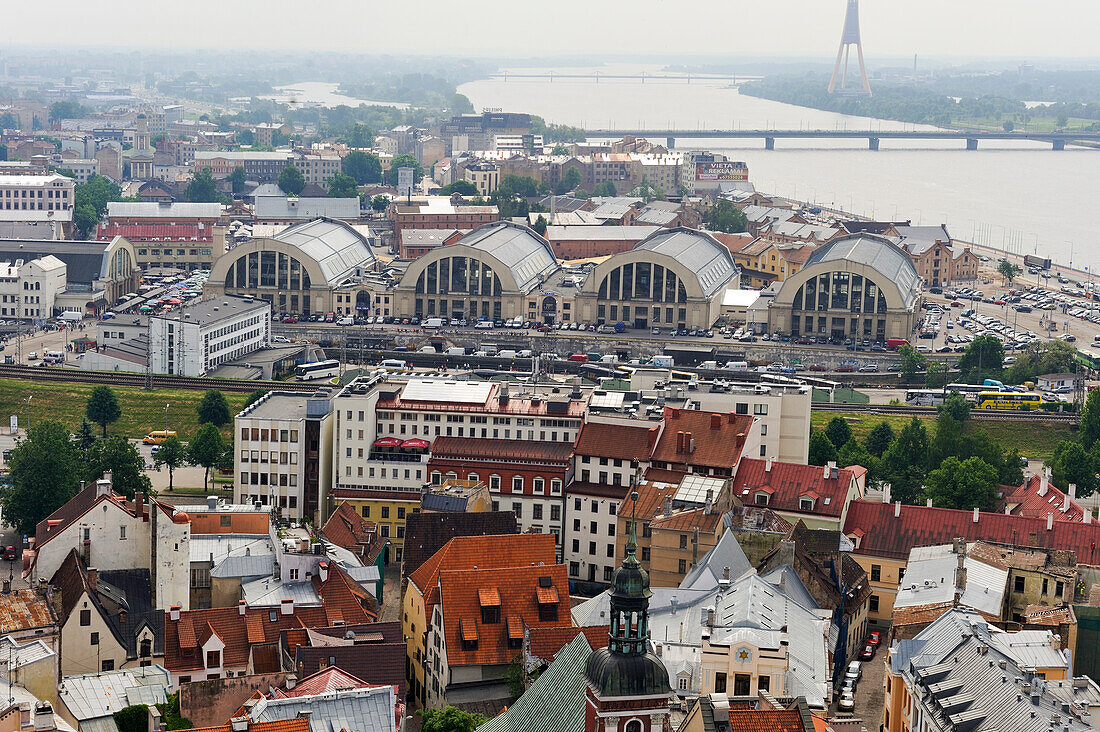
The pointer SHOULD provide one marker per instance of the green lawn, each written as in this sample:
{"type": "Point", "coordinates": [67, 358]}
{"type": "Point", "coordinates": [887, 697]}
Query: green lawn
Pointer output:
{"type": "Point", "coordinates": [142, 411]}
{"type": "Point", "coordinates": [1031, 439]}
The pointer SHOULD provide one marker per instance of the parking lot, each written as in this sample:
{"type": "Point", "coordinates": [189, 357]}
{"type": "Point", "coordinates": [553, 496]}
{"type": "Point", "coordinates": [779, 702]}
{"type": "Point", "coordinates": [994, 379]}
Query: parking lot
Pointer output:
{"type": "Point", "coordinates": [870, 694]}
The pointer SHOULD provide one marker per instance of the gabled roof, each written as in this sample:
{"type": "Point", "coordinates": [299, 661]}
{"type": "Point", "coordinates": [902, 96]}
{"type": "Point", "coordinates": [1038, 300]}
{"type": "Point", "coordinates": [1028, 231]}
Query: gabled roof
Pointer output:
{"type": "Point", "coordinates": [279, 725]}
{"type": "Point", "coordinates": [325, 680]}
{"type": "Point", "coordinates": [346, 528]}
{"type": "Point", "coordinates": [370, 709]}
{"type": "Point", "coordinates": [486, 552]}
{"type": "Point", "coordinates": [427, 533]}
{"type": "Point", "coordinates": [876, 252]}
{"type": "Point", "coordinates": [1026, 501]}
{"type": "Point", "coordinates": [705, 574]}
{"type": "Point", "coordinates": [718, 438]}
{"type": "Point", "coordinates": [528, 256]}
{"type": "Point", "coordinates": [788, 483]}
{"type": "Point", "coordinates": [376, 655]}
{"type": "Point", "coordinates": [618, 441]}
{"type": "Point", "coordinates": [522, 591]}
{"type": "Point", "coordinates": [545, 643]}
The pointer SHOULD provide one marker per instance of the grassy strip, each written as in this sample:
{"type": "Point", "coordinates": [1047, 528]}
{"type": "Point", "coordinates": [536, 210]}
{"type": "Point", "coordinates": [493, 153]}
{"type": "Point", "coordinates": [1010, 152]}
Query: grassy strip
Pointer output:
{"type": "Point", "coordinates": [142, 411]}
{"type": "Point", "coordinates": [1032, 441]}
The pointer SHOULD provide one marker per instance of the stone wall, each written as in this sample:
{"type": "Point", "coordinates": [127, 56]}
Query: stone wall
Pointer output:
{"type": "Point", "coordinates": [212, 702]}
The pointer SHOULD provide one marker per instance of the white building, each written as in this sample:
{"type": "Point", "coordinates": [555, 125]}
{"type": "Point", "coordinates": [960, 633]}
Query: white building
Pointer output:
{"type": "Point", "coordinates": [82, 168]}
{"type": "Point", "coordinates": [317, 169]}
{"type": "Point", "coordinates": [196, 339]}
{"type": "Point", "coordinates": [29, 290]}
{"type": "Point", "coordinates": [36, 197]}
{"type": "Point", "coordinates": [112, 533]}
{"type": "Point", "coordinates": [284, 453]}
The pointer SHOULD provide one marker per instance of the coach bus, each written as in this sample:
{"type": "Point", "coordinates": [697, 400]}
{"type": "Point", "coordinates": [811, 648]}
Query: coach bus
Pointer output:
{"type": "Point", "coordinates": [1008, 400]}
{"type": "Point", "coordinates": [329, 369]}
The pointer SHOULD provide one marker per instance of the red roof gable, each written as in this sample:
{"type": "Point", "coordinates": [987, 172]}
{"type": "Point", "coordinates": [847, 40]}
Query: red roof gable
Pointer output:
{"type": "Point", "coordinates": [300, 724]}
{"type": "Point", "coordinates": [1026, 501]}
{"type": "Point", "coordinates": [884, 534]}
{"type": "Point", "coordinates": [787, 483]}
{"type": "Point", "coordinates": [618, 441]}
{"type": "Point", "coordinates": [706, 439]}
{"type": "Point", "coordinates": [766, 720]}
{"type": "Point", "coordinates": [522, 590]}
{"type": "Point", "coordinates": [168, 233]}
{"type": "Point", "coordinates": [332, 678]}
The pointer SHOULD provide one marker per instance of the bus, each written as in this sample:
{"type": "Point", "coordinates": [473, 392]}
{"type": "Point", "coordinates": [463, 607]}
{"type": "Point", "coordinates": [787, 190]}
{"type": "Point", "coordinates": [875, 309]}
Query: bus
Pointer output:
{"type": "Point", "coordinates": [1008, 400]}
{"type": "Point", "coordinates": [317, 370]}
{"type": "Point", "coordinates": [970, 391]}
{"type": "Point", "coordinates": [924, 397]}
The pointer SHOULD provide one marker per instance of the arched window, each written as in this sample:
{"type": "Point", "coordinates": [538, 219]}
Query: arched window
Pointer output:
{"type": "Point", "coordinates": [634, 725]}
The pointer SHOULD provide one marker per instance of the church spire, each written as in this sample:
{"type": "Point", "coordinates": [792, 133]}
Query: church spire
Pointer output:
{"type": "Point", "coordinates": [630, 593]}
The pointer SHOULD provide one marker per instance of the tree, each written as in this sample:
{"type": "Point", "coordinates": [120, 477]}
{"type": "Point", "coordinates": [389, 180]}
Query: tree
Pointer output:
{"type": "Point", "coordinates": [1089, 431]}
{"type": "Point", "coordinates": [955, 406]}
{"type": "Point", "coordinates": [117, 455]}
{"type": "Point", "coordinates": [291, 180]}
{"type": "Point", "coordinates": [1008, 271]}
{"type": "Point", "coordinates": [521, 186]}
{"type": "Point", "coordinates": [134, 718]}
{"type": "Point", "coordinates": [202, 188]}
{"type": "Point", "coordinates": [403, 161]}
{"type": "Point", "coordinates": [342, 185]}
{"type": "Point", "coordinates": [66, 109]}
{"type": "Point", "coordinates": [90, 202]}
{"type": "Point", "coordinates": [237, 179]}
{"type": "Point", "coordinates": [984, 358]}
{"type": "Point", "coordinates": [879, 438]}
{"type": "Point", "coordinates": [206, 449]}
{"type": "Point", "coordinates": [935, 374]}
{"type": "Point", "coordinates": [359, 135]}
{"type": "Point", "coordinates": [461, 187]}
{"type": "Point", "coordinates": [1071, 463]}
{"type": "Point", "coordinates": [903, 464]}
{"type": "Point", "coordinates": [725, 217]}
{"type": "Point", "coordinates": [449, 719]}
{"type": "Point", "coordinates": [253, 398]}
{"type": "Point", "coordinates": [912, 360]}
{"type": "Point", "coordinates": [607, 188]}
{"type": "Point", "coordinates": [822, 450]}
{"type": "Point", "coordinates": [84, 435]}
{"type": "Point", "coordinates": [568, 182]}
{"type": "Point", "coordinates": [362, 166]}
{"type": "Point", "coordinates": [965, 484]}
{"type": "Point", "coordinates": [540, 225]}
{"type": "Point", "coordinates": [214, 409]}
{"type": "Point", "coordinates": [461, 104]}
{"type": "Point", "coordinates": [838, 431]}
{"type": "Point", "coordinates": [44, 471]}
{"type": "Point", "coordinates": [1008, 125]}
{"type": "Point", "coordinates": [85, 220]}
{"type": "Point", "coordinates": [1062, 121]}
{"type": "Point", "coordinates": [853, 453]}
{"type": "Point", "coordinates": [559, 149]}
{"type": "Point", "coordinates": [102, 407]}
{"type": "Point", "coordinates": [647, 191]}
{"type": "Point", "coordinates": [173, 454]}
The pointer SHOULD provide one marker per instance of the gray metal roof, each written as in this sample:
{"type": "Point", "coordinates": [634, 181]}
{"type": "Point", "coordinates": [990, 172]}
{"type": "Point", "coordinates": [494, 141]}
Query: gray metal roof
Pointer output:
{"type": "Point", "coordinates": [526, 254]}
{"type": "Point", "coordinates": [930, 580]}
{"type": "Point", "coordinates": [336, 247]}
{"type": "Point", "coordinates": [726, 553]}
{"type": "Point", "coordinates": [270, 592]}
{"type": "Point", "coordinates": [699, 252]}
{"type": "Point", "coordinates": [15, 656]}
{"type": "Point", "coordinates": [355, 710]}
{"type": "Point", "coordinates": [555, 701]}
{"type": "Point", "coordinates": [154, 210]}
{"type": "Point", "coordinates": [876, 252]}
{"type": "Point", "coordinates": [88, 696]}
{"type": "Point", "coordinates": [301, 209]}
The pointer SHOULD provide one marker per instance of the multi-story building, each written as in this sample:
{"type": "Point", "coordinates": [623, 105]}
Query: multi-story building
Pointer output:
{"type": "Point", "coordinates": [168, 234]}
{"type": "Point", "coordinates": [204, 215]}
{"type": "Point", "coordinates": [196, 339]}
{"type": "Point", "coordinates": [485, 176]}
{"type": "Point", "coordinates": [437, 212]}
{"type": "Point", "coordinates": [283, 454]}
{"type": "Point", "coordinates": [83, 169]}
{"type": "Point", "coordinates": [705, 172]}
{"type": "Point", "coordinates": [258, 166]}
{"type": "Point", "coordinates": [317, 169]}
{"type": "Point", "coordinates": [37, 198]}
{"type": "Point", "coordinates": [817, 495]}
{"type": "Point", "coordinates": [29, 289]}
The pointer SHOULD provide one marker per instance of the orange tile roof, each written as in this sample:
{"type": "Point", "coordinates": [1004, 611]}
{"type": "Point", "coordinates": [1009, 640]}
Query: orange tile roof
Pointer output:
{"type": "Point", "coordinates": [787, 483]}
{"type": "Point", "coordinates": [332, 678]}
{"type": "Point", "coordinates": [766, 720]}
{"type": "Point", "coordinates": [1026, 501]}
{"type": "Point", "coordinates": [520, 592]}
{"type": "Point", "coordinates": [651, 500]}
{"type": "Point", "coordinates": [254, 625]}
{"type": "Point", "coordinates": [487, 552]}
{"type": "Point", "coordinates": [547, 595]}
{"type": "Point", "coordinates": [274, 725]}
{"type": "Point", "coordinates": [546, 642]}
{"type": "Point", "coordinates": [618, 441]}
{"type": "Point", "coordinates": [688, 520]}
{"type": "Point", "coordinates": [23, 610]}
{"type": "Point", "coordinates": [488, 597]}
{"type": "Point", "coordinates": [718, 438]}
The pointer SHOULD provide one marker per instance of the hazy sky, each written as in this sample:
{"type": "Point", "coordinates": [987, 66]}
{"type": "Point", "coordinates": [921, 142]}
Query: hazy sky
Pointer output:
{"type": "Point", "coordinates": [1015, 28]}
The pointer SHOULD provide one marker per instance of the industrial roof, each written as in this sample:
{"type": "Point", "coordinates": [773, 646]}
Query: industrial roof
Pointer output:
{"type": "Point", "coordinates": [459, 392]}
{"type": "Point", "coordinates": [527, 255]}
{"type": "Point", "coordinates": [156, 210]}
{"type": "Point", "coordinates": [285, 207]}
{"type": "Point", "coordinates": [930, 578]}
{"type": "Point", "coordinates": [336, 247]}
{"type": "Point", "coordinates": [269, 592]}
{"type": "Point", "coordinates": [699, 252]}
{"type": "Point", "coordinates": [362, 710]}
{"type": "Point", "coordinates": [876, 252]}
{"type": "Point", "coordinates": [85, 261]}
{"type": "Point", "coordinates": [93, 695]}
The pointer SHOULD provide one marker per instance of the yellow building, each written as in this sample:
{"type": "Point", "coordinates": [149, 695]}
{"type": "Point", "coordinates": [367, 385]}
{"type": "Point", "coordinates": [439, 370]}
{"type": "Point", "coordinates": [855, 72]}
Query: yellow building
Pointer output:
{"type": "Point", "coordinates": [388, 509]}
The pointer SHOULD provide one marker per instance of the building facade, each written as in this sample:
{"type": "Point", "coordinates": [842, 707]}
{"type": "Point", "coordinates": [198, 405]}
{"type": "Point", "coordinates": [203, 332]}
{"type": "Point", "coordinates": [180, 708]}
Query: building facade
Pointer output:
{"type": "Point", "coordinates": [196, 339]}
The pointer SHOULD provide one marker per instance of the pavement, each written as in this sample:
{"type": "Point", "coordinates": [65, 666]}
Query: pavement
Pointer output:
{"type": "Point", "coordinates": [870, 694]}
{"type": "Point", "coordinates": [21, 345]}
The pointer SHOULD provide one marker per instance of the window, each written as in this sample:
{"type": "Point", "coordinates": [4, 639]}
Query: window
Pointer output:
{"type": "Point", "coordinates": [225, 520]}
{"type": "Point", "coordinates": [385, 512]}
{"type": "Point", "coordinates": [682, 683]}
{"type": "Point", "coordinates": [490, 614]}
{"type": "Point", "coordinates": [764, 683]}
{"type": "Point", "coordinates": [536, 511]}
{"type": "Point", "coordinates": [494, 482]}
{"type": "Point", "coordinates": [873, 605]}
{"type": "Point", "coordinates": [94, 639]}
{"type": "Point", "coordinates": [645, 553]}
{"type": "Point", "coordinates": [876, 573]}
{"type": "Point", "coordinates": [213, 659]}
{"type": "Point", "coordinates": [1046, 585]}
{"type": "Point", "coordinates": [633, 725]}
{"type": "Point", "coordinates": [719, 683]}
{"type": "Point", "coordinates": [683, 541]}
{"type": "Point", "coordinates": [762, 499]}
{"type": "Point", "coordinates": [682, 566]}
{"type": "Point", "coordinates": [517, 509]}
{"type": "Point", "coordinates": [1018, 584]}
{"type": "Point", "coordinates": [548, 612]}
{"type": "Point", "coordinates": [1059, 588]}
{"type": "Point", "coordinates": [555, 485]}
{"type": "Point", "coordinates": [539, 485]}
{"type": "Point", "coordinates": [85, 617]}
{"type": "Point", "coordinates": [806, 504]}
{"type": "Point", "coordinates": [108, 665]}
{"type": "Point", "coordinates": [517, 484]}
{"type": "Point", "coordinates": [122, 533]}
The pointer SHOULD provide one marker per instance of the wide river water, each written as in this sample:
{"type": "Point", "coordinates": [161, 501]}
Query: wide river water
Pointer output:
{"type": "Point", "coordinates": [1021, 197]}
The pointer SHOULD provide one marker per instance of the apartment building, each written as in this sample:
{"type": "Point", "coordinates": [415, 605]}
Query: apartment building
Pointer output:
{"type": "Point", "coordinates": [258, 166]}
{"type": "Point", "coordinates": [37, 198]}
{"type": "Point", "coordinates": [485, 176]}
{"type": "Point", "coordinates": [195, 339]}
{"type": "Point", "coordinates": [29, 289]}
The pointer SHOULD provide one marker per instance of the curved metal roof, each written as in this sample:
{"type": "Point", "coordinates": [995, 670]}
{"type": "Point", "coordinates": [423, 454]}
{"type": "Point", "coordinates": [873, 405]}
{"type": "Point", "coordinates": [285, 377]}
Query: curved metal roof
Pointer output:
{"type": "Point", "coordinates": [336, 247]}
{"type": "Point", "coordinates": [699, 252]}
{"type": "Point", "coordinates": [526, 254]}
{"type": "Point", "coordinates": [876, 252]}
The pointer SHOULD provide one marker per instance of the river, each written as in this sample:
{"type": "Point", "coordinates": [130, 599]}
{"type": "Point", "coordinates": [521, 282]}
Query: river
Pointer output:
{"type": "Point", "coordinates": [321, 94]}
{"type": "Point", "coordinates": [1018, 196]}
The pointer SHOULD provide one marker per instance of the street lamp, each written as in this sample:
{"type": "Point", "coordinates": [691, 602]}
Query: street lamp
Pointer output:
{"type": "Point", "coordinates": [166, 418]}
{"type": "Point", "coordinates": [27, 412]}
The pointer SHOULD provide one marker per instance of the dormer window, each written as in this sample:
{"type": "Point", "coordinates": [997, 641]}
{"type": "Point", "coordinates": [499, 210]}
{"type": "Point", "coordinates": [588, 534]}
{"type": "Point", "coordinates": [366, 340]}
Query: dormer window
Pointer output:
{"type": "Point", "coordinates": [762, 499]}
{"type": "Point", "coordinates": [489, 600]}
{"type": "Point", "coordinates": [467, 631]}
{"type": "Point", "coordinates": [806, 504]}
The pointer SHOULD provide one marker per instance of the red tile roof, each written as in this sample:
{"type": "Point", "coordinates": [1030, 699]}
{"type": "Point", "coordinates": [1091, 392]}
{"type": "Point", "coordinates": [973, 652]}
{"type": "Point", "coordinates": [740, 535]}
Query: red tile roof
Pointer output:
{"type": "Point", "coordinates": [1026, 501]}
{"type": "Point", "coordinates": [766, 720]}
{"type": "Point", "coordinates": [23, 610]}
{"type": "Point", "coordinates": [787, 483]}
{"type": "Point", "coordinates": [484, 552]}
{"type": "Point", "coordinates": [881, 533]}
{"type": "Point", "coordinates": [300, 724]}
{"type": "Point", "coordinates": [509, 450]}
{"type": "Point", "coordinates": [687, 520]}
{"type": "Point", "coordinates": [346, 528]}
{"type": "Point", "coordinates": [332, 678]}
{"type": "Point", "coordinates": [547, 641]}
{"type": "Point", "coordinates": [174, 233]}
{"type": "Point", "coordinates": [718, 438]}
{"type": "Point", "coordinates": [521, 594]}
{"type": "Point", "coordinates": [617, 441]}
{"type": "Point", "coordinates": [651, 500]}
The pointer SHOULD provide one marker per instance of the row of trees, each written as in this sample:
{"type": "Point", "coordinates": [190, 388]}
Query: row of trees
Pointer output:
{"type": "Point", "coordinates": [984, 358]}
{"type": "Point", "coordinates": [956, 467]}
{"type": "Point", "coordinates": [46, 467]}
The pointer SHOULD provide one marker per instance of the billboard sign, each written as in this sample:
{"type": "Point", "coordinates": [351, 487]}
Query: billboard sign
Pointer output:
{"type": "Point", "coordinates": [721, 171]}
{"type": "Point", "coordinates": [404, 181]}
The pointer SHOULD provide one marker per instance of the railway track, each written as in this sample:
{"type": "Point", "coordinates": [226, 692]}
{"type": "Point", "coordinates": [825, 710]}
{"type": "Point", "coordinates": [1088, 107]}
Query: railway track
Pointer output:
{"type": "Point", "coordinates": [985, 415]}
{"type": "Point", "coordinates": [80, 376]}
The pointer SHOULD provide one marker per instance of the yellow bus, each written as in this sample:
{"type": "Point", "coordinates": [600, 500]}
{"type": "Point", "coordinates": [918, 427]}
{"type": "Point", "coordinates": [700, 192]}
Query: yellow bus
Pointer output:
{"type": "Point", "coordinates": [1008, 400]}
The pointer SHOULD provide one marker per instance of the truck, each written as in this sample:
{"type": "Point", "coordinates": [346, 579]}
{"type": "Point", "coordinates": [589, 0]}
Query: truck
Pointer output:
{"type": "Point", "coordinates": [432, 323]}
{"type": "Point", "coordinates": [620, 327]}
{"type": "Point", "coordinates": [71, 316]}
{"type": "Point", "coordinates": [893, 344]}
{"type": "Point", "coordinates": [1033, 260]}
{"type": "Point", "coordinates": [663, 362]}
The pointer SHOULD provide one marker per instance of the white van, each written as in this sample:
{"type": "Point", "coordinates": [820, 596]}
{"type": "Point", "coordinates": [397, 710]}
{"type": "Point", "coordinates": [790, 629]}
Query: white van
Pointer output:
{"type": "Point", "coordinates": [526, 353]}
{"type": "Point", "coordinates": [394, 365]}
{"type": "Point", "coordinates": [737, 365]}
{"type": "Point", "coordinates": [663, 362]}
{"type": "Point", "coordinates": [53, 357]}
{"type": "Point", "coordinates": [432, 323]}
{"type": "Point", "coordinates": [506, 353]}
{"type": "Point", "coordinates": [482, 325]}
{"type": "Point", "coordinates": [346, 320]}
{"type": "Point", "coordinates": [708, 365]}
{"type": "Point", "coordinates": [456, 351]}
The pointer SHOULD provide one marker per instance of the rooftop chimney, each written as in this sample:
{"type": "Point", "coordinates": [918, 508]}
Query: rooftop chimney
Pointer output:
{"type": "Point", "coordinates": [139, 504]}
{"type": "Point", "coordinates": [668, 506]}
{"type": "Point", "coordinates": [1044, 481]}
{"type": "Point", "coordinates": [834, 471]}
{"type": "Point", "coordinates": [287, 606]}
{"type": "Point", "coordinates": [928, 503]}
{"type": "Point", "coordinates": [1073, 491]}
{"type": "Point", "coordinates": [1050, 521]}
{"type": "Point", "coordinates": [976, 514]}
{"type": "Point", "coordinates": [716, 421]}
{"type": "Point", "coordinates": [1065, 504]}
{"type": "Point", "coordinates": [825, 470]}
{"type": "Point", "coordinates": [708, 507]}
{"type": "Point", "coordinates": [291, 681]}
{"type": "Point", "coordinates": [322, 570]}
{"type": "Point", "coordinates": [174, 612]}
{"type": "Point", "coordinates": [103, 485]}
{"type": "Point", "coordinates": [504, 395]}
{"type": "Point", "coordinates": [885, 492]}
{"type": "Point", "coordinates": [43, 716]}
{"type": "Point", "coordinates": [211, 502]}
{"type": "Point", "coordinates": [897, 509]}
{"type": "Point", "coordinates": [241, 608]}
{"type": "Point", "coordinates": [93, 578]}
{"type": "Point", "coordinates": [690, 442]}
{"type": "Point", "coordinates": [1088, 516]}
{"type": "Point", "coordinates": [239, 724]}
{"type": "Point", "coordinates": [768, 465]}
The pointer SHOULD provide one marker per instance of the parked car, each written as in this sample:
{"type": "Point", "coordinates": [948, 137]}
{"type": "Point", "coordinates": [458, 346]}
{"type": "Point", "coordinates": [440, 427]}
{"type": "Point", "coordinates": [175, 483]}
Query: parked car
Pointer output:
{"type": "Point", "coordinates": [867, 653]}
{"type": "Point", "coordinates": [854, 672]}
{"type": "Point", "coordinates": [10, 554]}
{"type": "Point", "coordinates": [846, 702]}
{"type": "Point", "coordinates": [874, 639]}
